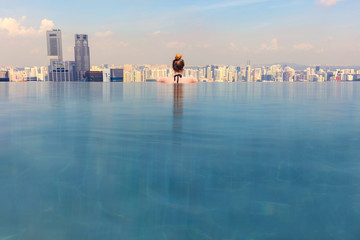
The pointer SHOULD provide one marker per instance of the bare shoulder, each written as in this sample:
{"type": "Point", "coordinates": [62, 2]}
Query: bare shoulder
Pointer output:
{"type": "Point", "coordinates": [164, 80]}
{"type": "Point", "coordinates": [194, 80]}
{"type": "Point", "coordinates": [190, 80]}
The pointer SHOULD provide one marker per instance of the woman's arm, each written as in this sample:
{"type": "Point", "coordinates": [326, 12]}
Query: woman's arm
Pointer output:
{"type": "Point", "coordinates": [194, 80]}
{"type": "Point", "coordinates": [161, 80]}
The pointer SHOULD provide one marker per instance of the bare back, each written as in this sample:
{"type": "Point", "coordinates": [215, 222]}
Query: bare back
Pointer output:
{"type": "Point", "coordinates": [184, 80]}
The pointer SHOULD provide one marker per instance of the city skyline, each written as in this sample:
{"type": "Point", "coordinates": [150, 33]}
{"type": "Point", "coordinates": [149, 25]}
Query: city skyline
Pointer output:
{"type": "Point", "coordinates": [306, 32]}
{"type": "Point", "coordinates": [64, 71]}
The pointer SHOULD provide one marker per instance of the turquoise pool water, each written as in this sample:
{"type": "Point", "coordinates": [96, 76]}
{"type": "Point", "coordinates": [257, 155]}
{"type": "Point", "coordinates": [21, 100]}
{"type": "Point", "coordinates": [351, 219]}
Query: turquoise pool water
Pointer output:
{"type": "Point", "coordinates": [209, 161]}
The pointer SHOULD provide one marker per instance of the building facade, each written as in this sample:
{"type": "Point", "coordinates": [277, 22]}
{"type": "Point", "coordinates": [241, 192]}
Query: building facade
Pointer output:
{"type": "Point", "coordinates": [62, 71]}
{"type": "Point", "coordinates": [248, 74]}
{"type": "Point", "coordinates": [117, 75]}
{"type": "Point", "coordinates": [82, 55]}
{"type": "Point", "coordinates": [94, 76]}
{"type": "Point", "coordinates": [106, 75]}
{"type": "Point", "coordinates": [54, 46]}
{"type": "Point", "coordinates": [4, 76]}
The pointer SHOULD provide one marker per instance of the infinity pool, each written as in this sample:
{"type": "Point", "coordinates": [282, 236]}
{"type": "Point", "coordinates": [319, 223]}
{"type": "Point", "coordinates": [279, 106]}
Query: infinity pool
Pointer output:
{"type": "Point", "coordinates": [148, 161]}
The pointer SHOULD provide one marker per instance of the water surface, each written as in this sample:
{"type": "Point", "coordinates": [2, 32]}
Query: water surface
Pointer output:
{"type": "Point", "coordinates": [147, 161]}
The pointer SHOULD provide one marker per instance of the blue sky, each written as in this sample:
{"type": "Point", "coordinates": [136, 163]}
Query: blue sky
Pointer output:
{"type": "Point", "coordinates": [206, 32]}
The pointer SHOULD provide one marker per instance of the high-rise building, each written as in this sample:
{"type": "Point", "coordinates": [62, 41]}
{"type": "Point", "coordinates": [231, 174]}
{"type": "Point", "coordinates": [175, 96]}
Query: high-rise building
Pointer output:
{"type": "Point", "coordinates": [286, 76]}
{"type": "Point", "coordinates": [106, 75]}
{"type": "Point", "coordinates": [93, 76]}
{"type": "Point", "coordinates": [209, 73]}
{"type": "Point", "coordinates": [146, 74]}
{"type": "Point", "coordinates": [62, 71]}
{"type": "Point", "coordinates": [54, 46]}
{"type": "Point", "coordinates": [40, 73]}
{"type": "Point", "coordinates": [117, 75]}
{"type": "Point", "coordinates": [127, 76]}
{"type": "Point", "coordinates": [136, 76]}
{"type": "Point", "coordinates": [82, 55]}
{"type": "Point", "coordinates": [248, 73]}
{"type": "Point", "coordinates": [4, 76]}
{"type": "Point", "coordinates": [257, 74]}
{"type": "Point", "coordinates": [58, 70]}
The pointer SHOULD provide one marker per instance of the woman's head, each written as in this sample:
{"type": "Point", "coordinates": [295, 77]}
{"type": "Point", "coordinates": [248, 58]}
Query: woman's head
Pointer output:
{"type": "Point", "coordinates": [178, 63]}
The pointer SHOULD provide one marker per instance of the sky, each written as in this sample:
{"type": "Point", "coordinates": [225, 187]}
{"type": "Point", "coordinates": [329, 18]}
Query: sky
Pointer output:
{"type": "Point", "coordinates": [206, 32]}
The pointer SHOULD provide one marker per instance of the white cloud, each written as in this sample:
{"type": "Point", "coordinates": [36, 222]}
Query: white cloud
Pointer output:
{"type": "Point", "coordinates": [121, 44]}
{"type": "Point", "coordinates": [175, 44]}
{"type": "Point", "coordinates": [233, 46]}
{"type": "Point", "coordinates": [227, 4]}
{"type": "Point", "coordinates": [15, 28]}
{"type": "Point", "coordinates": [303, 47]}
{"type": "Point", "coordinates": [34, 51]}
{"type": "Point", "coordinates": [274, 46]}
{"type": "Point", "coordinates": [104, 34]}
{"type": "Point", "coordinates": [205, 45]}
{"type": "Point", "coordinates": [329, 3]}
{"type": "Point", "coordinates": [106, 39]}
{"type": "Point", "coordinates": [46, 25]}
{"type": "Point", "coordinates": [156, 33]}
{"type": "Point", "coordinates": [321, 50]}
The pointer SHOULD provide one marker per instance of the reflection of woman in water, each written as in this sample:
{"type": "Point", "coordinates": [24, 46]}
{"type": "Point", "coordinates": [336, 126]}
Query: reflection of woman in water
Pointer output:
{"type": "Point", "coordinates": [178, 66]}
{"type": "Point", "coordinates": [178, 106]}
{"type": "Point", "coordinates": [178, 99]}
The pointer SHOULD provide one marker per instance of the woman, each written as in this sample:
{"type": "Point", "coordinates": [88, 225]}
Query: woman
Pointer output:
{"type": "Point", "coordinates": [178, 66]}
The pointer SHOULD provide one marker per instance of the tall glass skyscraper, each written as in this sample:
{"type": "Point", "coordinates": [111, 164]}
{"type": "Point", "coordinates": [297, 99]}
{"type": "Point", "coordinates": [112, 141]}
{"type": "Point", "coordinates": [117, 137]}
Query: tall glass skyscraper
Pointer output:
{"type": "Point", "coordinates": [54, 46]}
{"type": "Point", "coordinates": [248, 74]}
{"type": "Point", "coordinates": [82, 55]}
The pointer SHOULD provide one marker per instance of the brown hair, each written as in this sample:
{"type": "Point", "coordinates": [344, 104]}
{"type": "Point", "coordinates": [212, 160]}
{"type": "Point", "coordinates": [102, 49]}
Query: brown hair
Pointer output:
{"type": "Point", "coordinates": [178, 63]}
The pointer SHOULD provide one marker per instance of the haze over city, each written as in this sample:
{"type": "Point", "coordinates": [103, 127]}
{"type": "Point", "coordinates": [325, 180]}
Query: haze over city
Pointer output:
{"type": "Point", "coordinates": [205, 32]}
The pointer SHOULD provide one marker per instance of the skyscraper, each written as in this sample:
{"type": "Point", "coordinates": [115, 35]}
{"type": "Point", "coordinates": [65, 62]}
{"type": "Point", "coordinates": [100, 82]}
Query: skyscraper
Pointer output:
{"type": "Point", "coordinates": [54, 46]}
{"type": "Point", "coordinates": [62, 71]}
{"type": "Point", "coordinates": [4, 76]}
{"type": "Point", "coordinates": [248, 73]}
{"type": "Point", "coordinates": [117, 75]}
{"type": "Point", "coordinates": [82, 55]}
